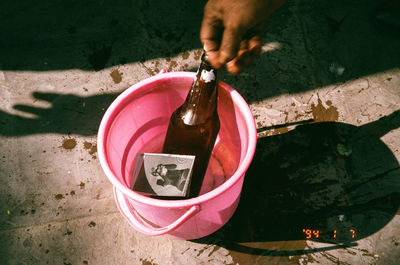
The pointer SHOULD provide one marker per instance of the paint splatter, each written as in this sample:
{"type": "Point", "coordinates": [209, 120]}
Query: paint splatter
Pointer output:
{"type": "Point", "coordinates": [59, 196]}
{"type": "Point", "coordinates": [69, 143]}
{"type": "Point", "coordinates": [91, 147]}
{"type": "Point", "coordinates": [197, 54]}
{"type": "Point", "coordinates": [320, 113]}
{"type": "Point", "coordinates": [185, 55]}
{"type": "Point", "coordinates": [116, 76]}
{"type": "Point", "coordinates": [82, 185]}
{"type": "Point", "coordinates": [147, 262]}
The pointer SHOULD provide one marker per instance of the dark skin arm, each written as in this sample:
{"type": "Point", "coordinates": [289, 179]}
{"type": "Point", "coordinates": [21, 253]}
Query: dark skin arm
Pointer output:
{"type": "Point", "coordinates": [231, 31]}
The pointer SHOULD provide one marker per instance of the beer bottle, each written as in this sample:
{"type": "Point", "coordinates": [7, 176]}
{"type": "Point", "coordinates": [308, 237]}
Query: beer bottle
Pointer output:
{"type": "Point", "coordinates": [193, 127]}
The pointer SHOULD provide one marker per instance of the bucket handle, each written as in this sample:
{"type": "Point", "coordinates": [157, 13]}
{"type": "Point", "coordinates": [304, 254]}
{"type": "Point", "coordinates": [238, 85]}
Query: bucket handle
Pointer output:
{"type": "Point", "coordinates": [142, 226]}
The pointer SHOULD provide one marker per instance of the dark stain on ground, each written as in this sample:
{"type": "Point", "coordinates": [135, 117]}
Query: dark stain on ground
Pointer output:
{"type": "Point", "coordinates": [69, 143]}
{"type": "Point", "coordinates": [156, 66]}
{"type": "Point", "coordinates": [150, 71]}
{"type": "Point", "coordinates": [99, 57]}
{"type": "Point", "coordinates": [82, 185]}
{"type": "Point", "coordinates": [185, 55]}
{"type": "Point", "coordinates": [116, 76]}
{"type": "Point", "coordinates": [147, 262]}
{"type": "Point", "coordinates": [197, 55]}
{"type": "Point", "coordinates": [91, 147]}
{"type": "Point", "coordinates": [68, 233]}
{"type": "Point", "coordinates": [92, 224]}
{"type": "Point", "coordinates": [320, 113]}
{"type": "Point", "coordinates": [59, 196]}
{"type": "Point", "coordinates": [172, 65]}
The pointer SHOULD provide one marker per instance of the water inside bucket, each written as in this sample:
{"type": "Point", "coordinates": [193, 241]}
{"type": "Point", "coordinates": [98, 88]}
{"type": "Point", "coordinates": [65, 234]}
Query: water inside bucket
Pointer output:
{"type": "Point", "coordinates": [215, 175]}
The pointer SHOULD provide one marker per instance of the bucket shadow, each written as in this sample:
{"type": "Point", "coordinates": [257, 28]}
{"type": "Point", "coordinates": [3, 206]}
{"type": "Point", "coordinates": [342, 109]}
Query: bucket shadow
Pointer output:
{"type": "Point", "coordinates": [328, 182]}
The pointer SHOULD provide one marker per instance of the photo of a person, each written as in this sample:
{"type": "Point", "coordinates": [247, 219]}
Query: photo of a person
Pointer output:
{"type": "Point", "coordinates": [168, 174]}
{"type": "Point", "coordinates": [163, 175]}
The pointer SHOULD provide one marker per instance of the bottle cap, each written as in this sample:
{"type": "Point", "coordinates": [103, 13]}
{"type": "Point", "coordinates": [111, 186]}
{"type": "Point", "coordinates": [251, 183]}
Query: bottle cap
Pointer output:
{"type": "Point", "coordinates": [204, 58]}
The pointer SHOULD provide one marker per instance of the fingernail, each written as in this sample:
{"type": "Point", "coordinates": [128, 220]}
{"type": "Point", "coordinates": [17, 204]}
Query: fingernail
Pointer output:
{"type": "Point", "coordinates": [206, 47]}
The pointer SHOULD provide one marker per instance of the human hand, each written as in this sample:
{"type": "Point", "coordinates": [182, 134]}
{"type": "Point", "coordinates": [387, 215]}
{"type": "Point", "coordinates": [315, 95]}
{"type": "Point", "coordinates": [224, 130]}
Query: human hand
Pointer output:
{"type": "Point", "coordinates": [231, 31]}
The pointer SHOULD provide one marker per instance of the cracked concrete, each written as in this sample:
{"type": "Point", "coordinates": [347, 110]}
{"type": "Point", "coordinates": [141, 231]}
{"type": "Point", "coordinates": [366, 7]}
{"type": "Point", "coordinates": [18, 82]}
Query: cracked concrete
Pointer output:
{"type": "Point", "coordinates": [323, 187]}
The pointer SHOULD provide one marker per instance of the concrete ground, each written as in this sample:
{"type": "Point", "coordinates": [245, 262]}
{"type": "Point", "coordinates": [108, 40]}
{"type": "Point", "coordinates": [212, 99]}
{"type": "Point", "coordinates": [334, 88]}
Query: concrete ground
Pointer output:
{"type": "Point", "coordinates": [325, 95]}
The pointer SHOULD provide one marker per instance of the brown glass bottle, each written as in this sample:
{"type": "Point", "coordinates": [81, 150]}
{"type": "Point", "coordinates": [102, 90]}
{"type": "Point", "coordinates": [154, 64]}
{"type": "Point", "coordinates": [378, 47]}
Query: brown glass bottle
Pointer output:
{"type": "Point", "coordinates": [193, 127]}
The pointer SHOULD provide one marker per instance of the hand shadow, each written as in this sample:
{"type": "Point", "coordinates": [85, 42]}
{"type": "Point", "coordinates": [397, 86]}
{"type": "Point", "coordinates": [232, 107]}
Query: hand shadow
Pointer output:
{"type": "Point", "coordinates": [329, 182]}
{"type": "Point", "coordinates": [69, 114]}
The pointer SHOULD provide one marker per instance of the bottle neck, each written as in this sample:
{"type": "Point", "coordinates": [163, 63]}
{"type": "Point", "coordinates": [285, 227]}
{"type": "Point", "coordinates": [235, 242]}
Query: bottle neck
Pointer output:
{"type": "Point", "coordinates": [201, 102]}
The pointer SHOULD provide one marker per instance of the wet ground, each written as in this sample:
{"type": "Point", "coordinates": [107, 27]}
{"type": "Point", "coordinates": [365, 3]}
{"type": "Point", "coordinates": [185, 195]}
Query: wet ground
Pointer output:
{"type": "Point", "coordinates": [324, 184]}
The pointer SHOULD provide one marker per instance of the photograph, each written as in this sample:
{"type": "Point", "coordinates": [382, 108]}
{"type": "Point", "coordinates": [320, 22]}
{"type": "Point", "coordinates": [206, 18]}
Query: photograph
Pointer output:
{"type": "Point", "coordinates": [162, 174]}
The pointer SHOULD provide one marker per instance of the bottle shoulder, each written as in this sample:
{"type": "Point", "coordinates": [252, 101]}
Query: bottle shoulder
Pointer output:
{"type": "Point", "coordinates": [186, 118]}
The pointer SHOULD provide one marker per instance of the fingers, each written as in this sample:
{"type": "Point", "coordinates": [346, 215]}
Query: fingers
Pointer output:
{"type": "Point", "coordinates": [231, 30]}
{"type": "Point", "coordinates": [232, 48]}
{"type": "Point", "coordinates": [246, 56]}
{"type": "Point", "coordinates": [32, 110]}
{"type": "Point", "coordinates": [220, 51]}
{"type": "Point", "coordinates": [221, 42]}
{"type": "Point", "coordinates": [236, 49]}
{"type": "Point", "coordinates": [50, 97]}
{"type": "Point", "coordinates": [230, 44]}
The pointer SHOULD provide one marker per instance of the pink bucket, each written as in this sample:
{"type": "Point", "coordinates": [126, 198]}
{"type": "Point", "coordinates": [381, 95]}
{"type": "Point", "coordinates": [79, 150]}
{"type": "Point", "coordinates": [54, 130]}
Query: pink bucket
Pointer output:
{"type": "Point", "coordinates": [137, 122]}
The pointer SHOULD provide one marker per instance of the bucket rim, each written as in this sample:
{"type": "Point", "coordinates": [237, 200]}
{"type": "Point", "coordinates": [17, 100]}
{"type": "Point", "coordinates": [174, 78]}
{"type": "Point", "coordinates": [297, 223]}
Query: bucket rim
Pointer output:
{"type": "Point", "coordinates": [123, 98]}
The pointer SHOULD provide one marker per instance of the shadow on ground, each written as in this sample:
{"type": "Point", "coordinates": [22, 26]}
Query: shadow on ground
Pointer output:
{"type": "Point", "coordinates": [361, 36]}
{"type": "Point", "coordinates": [43, 35]}
{"type": "Point", "coordinates": [68, 114]}
{"type": "Point", "coordinates": [320, 177]}
{"type": "Point", "coordinates": [327, 181]}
